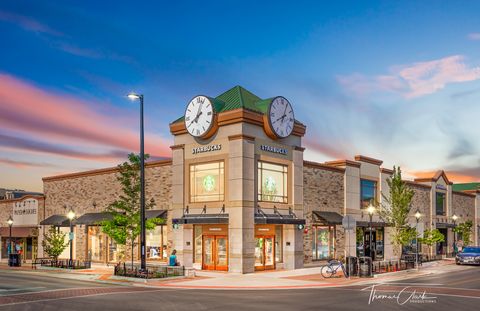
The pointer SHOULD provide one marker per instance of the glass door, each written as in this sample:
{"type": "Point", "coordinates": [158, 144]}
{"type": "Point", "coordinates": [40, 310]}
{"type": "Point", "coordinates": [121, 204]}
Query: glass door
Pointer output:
{"type": "Point", "coordinates": [221, 251]}
{"type": "Point", "coordinates": [208, 253]}
{"type": "Point", "coordinates": [264, 252]}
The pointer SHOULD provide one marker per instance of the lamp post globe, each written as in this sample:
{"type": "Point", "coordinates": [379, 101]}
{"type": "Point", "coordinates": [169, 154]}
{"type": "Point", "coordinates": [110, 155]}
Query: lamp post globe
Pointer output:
{"type": "Point", "coordinates": [143, 262]}
{"type": "Point", "coordinates": [418, 215]}
{"type": "Point", "coordinates": [454, 218]}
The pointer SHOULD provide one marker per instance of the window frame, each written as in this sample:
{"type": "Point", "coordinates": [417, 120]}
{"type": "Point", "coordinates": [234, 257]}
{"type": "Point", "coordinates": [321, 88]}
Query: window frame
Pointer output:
{"type": "Point", "coordinates": [444, 207]}
{"type": "Point", "coordinates": [374, 199]}
{"type": "Point", "coordinates": [190, 196]}
{"type": "Point", "coordinates": [285, 196]}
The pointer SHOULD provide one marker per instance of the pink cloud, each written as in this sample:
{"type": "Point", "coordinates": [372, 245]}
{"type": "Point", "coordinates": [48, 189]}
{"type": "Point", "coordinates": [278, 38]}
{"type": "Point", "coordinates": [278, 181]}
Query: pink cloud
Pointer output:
{"type": "Point", "coordinates": [63, 119]}
{"type": "Point", "coordinates": [413, 80]}
{"type": "Point", "coordinates": [28, 23]}
{"type": "Point", "coordinates": [23, 164]}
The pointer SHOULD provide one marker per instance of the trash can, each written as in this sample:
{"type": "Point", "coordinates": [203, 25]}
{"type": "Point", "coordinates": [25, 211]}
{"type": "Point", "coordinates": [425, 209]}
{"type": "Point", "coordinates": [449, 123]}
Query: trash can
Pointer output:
{"type": "Point", "coordinates": [351, 265]}
{"type": "Point", "coordinates": [14, 260]}
{"type": "Point", "coordinates": [365, 265]}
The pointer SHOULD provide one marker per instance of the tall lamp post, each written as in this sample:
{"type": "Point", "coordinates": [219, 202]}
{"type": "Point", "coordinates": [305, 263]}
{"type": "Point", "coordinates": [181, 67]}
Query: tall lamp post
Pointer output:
{"type": "Point", "coordinates": [417, 217]}
{"type": "Point", "coordinates": [10, 224]}
{"type": "Point", "coordinates": [143, 262]}
{"type": "Point", "coordinates": [370, 211]}
{"type": "Point", "coordinates": [71, 216]}
{"type": "Point", "coordinates": [454, 218]}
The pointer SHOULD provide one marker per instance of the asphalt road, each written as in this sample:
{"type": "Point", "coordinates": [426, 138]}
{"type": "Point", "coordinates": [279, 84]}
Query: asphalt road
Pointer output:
{"type": "Point", "coordinates": [455, 290]}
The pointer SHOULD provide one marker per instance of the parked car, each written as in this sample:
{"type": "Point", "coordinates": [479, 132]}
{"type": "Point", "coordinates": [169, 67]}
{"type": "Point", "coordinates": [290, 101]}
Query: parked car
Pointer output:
{"type": "Point", "coordinates": [469, 255]}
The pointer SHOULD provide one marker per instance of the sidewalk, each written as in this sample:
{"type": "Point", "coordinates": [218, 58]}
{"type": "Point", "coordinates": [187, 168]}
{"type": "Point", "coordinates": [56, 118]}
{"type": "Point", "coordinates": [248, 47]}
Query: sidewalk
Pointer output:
{"type": "Point", "coordinates": [283, 279]}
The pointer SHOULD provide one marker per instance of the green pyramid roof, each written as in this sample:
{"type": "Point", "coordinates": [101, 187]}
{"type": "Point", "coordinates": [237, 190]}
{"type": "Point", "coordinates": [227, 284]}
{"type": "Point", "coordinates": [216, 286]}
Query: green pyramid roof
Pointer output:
{"type": "Point", "coordinates": [236, 98]}
{"type": "Point", "coordinates": [466, 186]}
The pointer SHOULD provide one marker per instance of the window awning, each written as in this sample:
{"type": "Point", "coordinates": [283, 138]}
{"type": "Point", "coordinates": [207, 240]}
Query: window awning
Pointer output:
{"type": "Point", "coordinates": [444, 225]}
{"type": "Point", "coordinates": [56, 220]}
{"type": "Point", "coordinates": [202, 219]}
{"type": "Point", "coordinates": [93, 218]}
{"type": "Point", "coordinates": [277, 218]}
{"type": "Point", "coordinates": [329, 218]}
{"type": "Point", "coordinates": [374, 224]}
{"type": "Point", "coordinates": [155, 213]}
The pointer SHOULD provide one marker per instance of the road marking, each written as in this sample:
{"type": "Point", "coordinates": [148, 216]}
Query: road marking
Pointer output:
{"type": "Point", "coordinates": [6, 291]}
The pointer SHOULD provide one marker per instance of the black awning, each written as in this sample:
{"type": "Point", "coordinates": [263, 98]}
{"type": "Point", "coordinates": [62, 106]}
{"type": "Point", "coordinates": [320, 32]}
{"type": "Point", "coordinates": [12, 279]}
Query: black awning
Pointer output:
{"type": "Point", "coordinates": [444, 225]}
{"type": "Point", "coordinates": [202, 219]}
{"type": "Point", "coordinates": [93, 218]}
{"type": "Point", "coordinates": [374, 224]}
{"type": "Point", "coordinates": [56, 220]}
{"type": "Point", "coordinates": [273, 219]}
{"type": "Point", "coordinates": [329, 218]}
{"type": "Point", "coordinates": [155, 213]}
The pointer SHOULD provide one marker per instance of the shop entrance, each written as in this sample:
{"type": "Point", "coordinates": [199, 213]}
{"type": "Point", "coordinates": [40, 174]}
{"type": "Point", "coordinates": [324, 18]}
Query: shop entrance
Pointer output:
{"type": "Point", "coordinates": [264, 252]}
{"type": "Point", "coordinates": [215, 252]}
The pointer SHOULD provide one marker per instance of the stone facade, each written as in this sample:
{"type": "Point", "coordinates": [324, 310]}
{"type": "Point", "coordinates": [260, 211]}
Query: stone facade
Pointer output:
{"type": "Point", "coordinates": [323, 189]}
{"type": "Point", "coordinates": [92, 192]}
{"type": "Point", "coordinates": [464, 206]}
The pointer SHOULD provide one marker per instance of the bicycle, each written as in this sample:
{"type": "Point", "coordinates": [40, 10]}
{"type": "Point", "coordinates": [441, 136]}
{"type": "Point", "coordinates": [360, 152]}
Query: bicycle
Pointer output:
{"type": "Point", "coordinates": [330, 269]}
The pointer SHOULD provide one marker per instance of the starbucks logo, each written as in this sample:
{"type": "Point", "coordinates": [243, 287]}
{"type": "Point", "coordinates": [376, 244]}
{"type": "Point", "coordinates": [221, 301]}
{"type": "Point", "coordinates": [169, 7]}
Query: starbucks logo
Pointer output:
{"type": "Point", "coordinates": [270, 184]}
{"type": "Point", "coordinates": [209, 183]}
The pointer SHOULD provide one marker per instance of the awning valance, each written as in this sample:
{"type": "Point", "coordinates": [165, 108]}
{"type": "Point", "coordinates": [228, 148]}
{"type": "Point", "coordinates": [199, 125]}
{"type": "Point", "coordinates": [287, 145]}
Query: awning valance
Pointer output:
{"type": "Point", "coordinates": [444, 225]}
{"type": "Point", "coordinates": [374, 224]}
{"type": "Point", "coordinates": [329, 218]}
{"type": "Point", "coordinates": [202, 219]}
{"type": "Point", "coordinates": [56, 220]}
{"type": "Point", "coordinates": [93, 218]}
{"type": "Point", "coordinates": [155, 213]}
{"type": "Point", "coordinates": [277, 218]}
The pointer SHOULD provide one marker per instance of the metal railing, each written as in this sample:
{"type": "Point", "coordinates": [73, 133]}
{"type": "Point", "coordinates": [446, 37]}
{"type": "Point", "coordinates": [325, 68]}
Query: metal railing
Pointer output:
{"type": "Point", "coordinates": [65, 263]}
{"type": "Point", "coordinates": [152, 272]}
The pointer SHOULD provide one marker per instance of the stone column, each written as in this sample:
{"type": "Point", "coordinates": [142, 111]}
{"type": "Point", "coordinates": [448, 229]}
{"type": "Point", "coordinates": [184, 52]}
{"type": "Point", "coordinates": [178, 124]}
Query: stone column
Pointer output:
{"type": "Point", "coordinates": [241, 198]}
{"type": "Point", "coordinates": [293, 247]}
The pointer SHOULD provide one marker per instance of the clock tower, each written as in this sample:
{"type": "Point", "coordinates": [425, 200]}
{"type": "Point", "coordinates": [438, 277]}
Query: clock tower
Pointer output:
{"type": "Point", "coordinates": [238, 183]}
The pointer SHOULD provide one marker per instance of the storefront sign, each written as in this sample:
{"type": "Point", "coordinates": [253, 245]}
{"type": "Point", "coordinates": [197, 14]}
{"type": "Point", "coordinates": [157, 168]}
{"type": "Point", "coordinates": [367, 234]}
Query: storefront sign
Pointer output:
{"type": "Point", "coordinates": [208, 148]}
{"type": "Point", "coordinates": [441, 187]}
{"type": "Point", "coordinates": [25, 212]}
{"type": "Point", "coordinates": [273, 149]}
{"type": "Point", "coordinates": [215, 229]}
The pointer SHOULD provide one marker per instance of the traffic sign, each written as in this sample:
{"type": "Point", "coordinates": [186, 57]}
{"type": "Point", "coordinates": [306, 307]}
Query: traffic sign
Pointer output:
{"type": "Point", "coordinates": [348, 222]}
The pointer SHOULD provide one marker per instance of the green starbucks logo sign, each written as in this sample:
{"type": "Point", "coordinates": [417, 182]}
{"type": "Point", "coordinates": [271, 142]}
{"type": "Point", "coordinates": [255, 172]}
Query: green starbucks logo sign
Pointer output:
{"type": "Point", "coordinates": [270, 184]}
{"type": "Point", "coordinates": [209, 183]}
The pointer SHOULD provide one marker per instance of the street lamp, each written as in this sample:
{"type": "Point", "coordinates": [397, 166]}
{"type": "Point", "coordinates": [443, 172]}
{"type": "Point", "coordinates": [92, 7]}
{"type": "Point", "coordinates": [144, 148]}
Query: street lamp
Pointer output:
{"type": "Point", "coordinates": [10, 224]}
{"type": "Point", "coordinates": [454, 218]}
{"type": "Point", "coordinates": [370, 211]}
{"type": "Point", "coordinates": [143, 263]}
{"type": "Point", "coordinates": [71, 216]}
{"type": "Point", "coordinates": [417, 217]}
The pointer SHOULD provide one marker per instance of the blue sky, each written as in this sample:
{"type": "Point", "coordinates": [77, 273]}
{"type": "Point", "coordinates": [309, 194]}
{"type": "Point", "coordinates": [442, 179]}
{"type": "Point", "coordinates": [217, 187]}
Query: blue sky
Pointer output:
{"type": "Point", "coordinates": [398, 81]}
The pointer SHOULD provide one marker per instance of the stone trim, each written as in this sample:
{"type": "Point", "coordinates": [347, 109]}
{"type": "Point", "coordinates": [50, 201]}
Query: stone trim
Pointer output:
{"type": "Point", "coordinates": [416, 184]}
{"type": "Point", "coordinates": [175, 147]}
{"type": "Point", "coordinates": [101, 171]}
{"type": "Point", "coordinates": [362, 158]}
{"type": "Point", "coordinates": [241, 136]}
{"type": "Point", "coordinates": [323, 166]}
{"type": "Point", "coordinates": [28, 196]}
{"type": "Point", "coordinates": [298, 148]}
{"type": "Point", "coordinates": [464, 193]}
{"type": "Point", "coordinates": [386, 171]}
{"type": "Point", "coordinates": [343, 163]}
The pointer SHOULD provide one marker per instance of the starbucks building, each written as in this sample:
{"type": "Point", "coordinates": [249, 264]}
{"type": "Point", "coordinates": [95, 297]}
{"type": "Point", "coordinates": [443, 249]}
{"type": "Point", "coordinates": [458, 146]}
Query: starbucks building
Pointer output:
{"type": "Point", "coordinates": [238, 196]}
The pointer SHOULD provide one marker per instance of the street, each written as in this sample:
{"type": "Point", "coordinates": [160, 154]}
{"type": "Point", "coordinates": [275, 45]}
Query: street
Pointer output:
{"type": "Point", "coordinates": [458, 288]}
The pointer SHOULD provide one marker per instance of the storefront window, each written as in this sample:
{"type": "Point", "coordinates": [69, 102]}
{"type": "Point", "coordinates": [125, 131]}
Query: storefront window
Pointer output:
{"type": "Point", "coordinates": [375, 249]}
{"type": "Point", "coordinates": [368, 192]}
{"type": "Point", "coordinates": [116, 252]}
{"type": "Point", "coordinates": [96, 244]}
{"type": "Point", "coordinates": [207, 182]}
{"type": "Point", "coordinates": [440, 204]}
{"type": "Point", "coordinates": [323, 242]}
{"type": "Point", "coordinates": [278, 244]}
{"type": "Point", "coordinates": [272, 182]}
{"type": "Point", "coordinates": [155, 242]}
{"type": "Point", "coordinates": [198, 244]}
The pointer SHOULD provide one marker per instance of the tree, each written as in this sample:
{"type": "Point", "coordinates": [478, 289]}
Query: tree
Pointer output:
{"type": "Point", "coordinates": [465, 230]}
{"type": "Point", "coordinates": [54, 242]}
{"type": "Point", "coordinates": [124, 225]}
{"type": "Point", "coordinates": [396, 208]}
{"type": "Point", "coordinates": [431, 237]}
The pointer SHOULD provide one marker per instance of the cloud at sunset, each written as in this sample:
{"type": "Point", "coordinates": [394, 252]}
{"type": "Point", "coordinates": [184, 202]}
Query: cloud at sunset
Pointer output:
{"type": "Point", "coordinates": [413, 80]}
{"type": "Point", "coordinates": [28, 23]}
{"type": "Point", "coordinates": [39, 116]}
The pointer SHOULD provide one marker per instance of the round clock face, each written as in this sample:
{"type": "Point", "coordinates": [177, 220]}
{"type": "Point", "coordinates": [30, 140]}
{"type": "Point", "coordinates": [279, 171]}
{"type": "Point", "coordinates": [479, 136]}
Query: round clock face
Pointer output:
{"type": "Point", "coordinates": [199, 116]}
{"type": "Point", "coordinates": [281, 117]}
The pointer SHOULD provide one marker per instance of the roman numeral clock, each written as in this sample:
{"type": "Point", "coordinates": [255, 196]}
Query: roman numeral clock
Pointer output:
{"type": "Point", "coordinates": [200, 117]}
{"type": "Point", "coordinates": [279, 120]}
